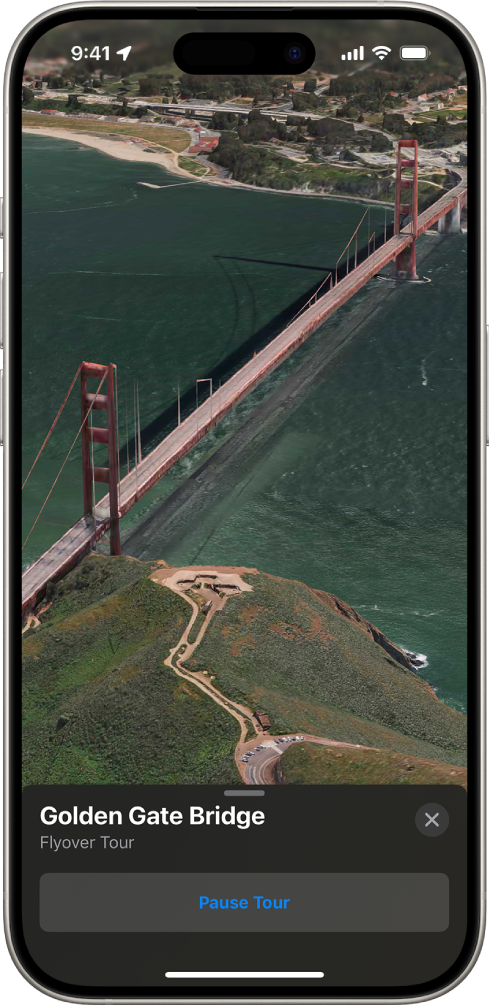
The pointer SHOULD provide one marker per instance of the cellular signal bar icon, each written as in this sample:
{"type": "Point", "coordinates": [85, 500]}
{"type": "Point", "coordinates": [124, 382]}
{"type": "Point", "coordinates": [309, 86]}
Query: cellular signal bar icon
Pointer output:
{"type": "Point", "coordinates": [355, 55]}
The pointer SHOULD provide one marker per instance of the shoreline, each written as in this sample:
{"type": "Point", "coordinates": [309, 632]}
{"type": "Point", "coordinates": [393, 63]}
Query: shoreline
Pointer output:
{"type": "Point", "coordinates": [126, 150]}
{"type": "Point", "coordinates": [123, 149]}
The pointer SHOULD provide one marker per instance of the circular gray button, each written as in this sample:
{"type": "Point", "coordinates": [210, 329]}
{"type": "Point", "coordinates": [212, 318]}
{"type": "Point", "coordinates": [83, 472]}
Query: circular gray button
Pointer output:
{"type": "Point", "coordinates": [432, 820]}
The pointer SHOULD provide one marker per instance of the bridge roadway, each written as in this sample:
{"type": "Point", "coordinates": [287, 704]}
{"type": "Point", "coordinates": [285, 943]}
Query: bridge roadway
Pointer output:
{"type": "Point", "coordinates": [78, 540]}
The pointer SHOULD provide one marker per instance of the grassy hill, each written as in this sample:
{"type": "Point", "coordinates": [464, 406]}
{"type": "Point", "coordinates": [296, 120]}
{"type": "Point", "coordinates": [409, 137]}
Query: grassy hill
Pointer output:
{"type": "Point", "coordinates": [315, 665]}
{"type": "Point", "coordinates": [164, 136]}
{"type": "Point", "coordinates": [100, 707]}
{"type": "Point", "coordinates": [307, 763]}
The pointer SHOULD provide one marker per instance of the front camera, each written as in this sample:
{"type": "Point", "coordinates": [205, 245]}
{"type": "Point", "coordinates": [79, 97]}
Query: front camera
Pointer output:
{"type": "Point", "coordinates": [294, 53]}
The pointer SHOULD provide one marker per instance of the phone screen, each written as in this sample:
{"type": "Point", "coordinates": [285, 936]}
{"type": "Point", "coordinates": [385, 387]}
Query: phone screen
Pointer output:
{"type": "Point", "coordinates": [248, 455]}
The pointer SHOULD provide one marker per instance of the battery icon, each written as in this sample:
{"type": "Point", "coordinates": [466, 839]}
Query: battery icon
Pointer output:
{"type": "Point", "coordinates": [410, 52]}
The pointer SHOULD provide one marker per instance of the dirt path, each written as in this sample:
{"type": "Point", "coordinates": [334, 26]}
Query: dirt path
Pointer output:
{"type": "Point", "coordinates": [184, 650]}
{"type": "Point", "coordinates": [260, 766]}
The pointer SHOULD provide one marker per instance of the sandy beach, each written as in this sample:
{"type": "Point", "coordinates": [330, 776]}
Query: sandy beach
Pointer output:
{"type": "Point", "coordinates": [129, 150]}
{"type": "Point", "coordinates": [125, 148]}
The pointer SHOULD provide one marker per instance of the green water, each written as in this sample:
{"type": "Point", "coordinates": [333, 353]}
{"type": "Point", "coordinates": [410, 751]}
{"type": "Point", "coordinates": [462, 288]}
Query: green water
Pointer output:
{"type": "Point", "coordinates": [361, 491]}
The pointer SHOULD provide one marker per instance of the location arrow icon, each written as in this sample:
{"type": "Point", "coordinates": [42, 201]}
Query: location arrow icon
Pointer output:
{"type": "Point", "coordinates": [124, 52]}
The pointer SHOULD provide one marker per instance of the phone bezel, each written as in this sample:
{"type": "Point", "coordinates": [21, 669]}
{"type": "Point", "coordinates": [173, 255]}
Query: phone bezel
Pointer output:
{"type": "Point", "coordinates": [476, 291]}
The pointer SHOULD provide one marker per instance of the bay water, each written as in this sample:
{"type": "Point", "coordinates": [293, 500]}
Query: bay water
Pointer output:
{"type": "Point", "coordinates": [360, 491]}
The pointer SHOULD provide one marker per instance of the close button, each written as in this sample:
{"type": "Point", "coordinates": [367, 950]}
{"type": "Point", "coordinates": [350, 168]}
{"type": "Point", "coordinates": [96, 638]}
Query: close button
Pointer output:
{"type": "Point", "coordinates": [432, 820]}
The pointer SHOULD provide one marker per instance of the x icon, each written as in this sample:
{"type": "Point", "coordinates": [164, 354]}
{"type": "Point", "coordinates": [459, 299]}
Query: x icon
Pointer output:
{"type": "Point", "coordinates": [431, 820]}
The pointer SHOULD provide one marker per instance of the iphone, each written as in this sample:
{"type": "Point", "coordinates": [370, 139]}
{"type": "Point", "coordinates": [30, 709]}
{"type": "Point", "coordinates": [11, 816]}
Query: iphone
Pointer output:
{"type": "Point", "coordinates": [244, 439]}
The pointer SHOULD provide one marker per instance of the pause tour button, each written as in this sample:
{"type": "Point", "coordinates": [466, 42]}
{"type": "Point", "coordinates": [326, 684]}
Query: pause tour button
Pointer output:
{"type": "Point", "coordinates": [237, 903]}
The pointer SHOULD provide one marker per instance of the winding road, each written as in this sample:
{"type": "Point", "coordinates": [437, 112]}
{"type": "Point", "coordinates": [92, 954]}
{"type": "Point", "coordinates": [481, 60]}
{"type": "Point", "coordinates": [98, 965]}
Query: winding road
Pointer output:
{"type": "Point", "coordinates": [263, 751]}
{"type": "Point", "coordinates": [262, 764]}
{"type": "Point", "coordinates": [184, 649]}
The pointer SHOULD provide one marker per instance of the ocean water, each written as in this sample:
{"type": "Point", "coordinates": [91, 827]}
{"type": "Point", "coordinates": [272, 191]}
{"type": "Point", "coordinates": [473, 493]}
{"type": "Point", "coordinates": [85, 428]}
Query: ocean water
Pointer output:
{"type": "Point", "coordinates": [166, 283]}
{"type": "Point", "coordinates": [361, 490]}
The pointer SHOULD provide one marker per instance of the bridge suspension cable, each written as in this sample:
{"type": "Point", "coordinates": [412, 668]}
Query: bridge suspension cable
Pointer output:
{"type": "Point", "coordinates": [53, 425]}
{"type": "Point", "coordinates": [117, 434]}
{"type": "Point", "coordinates": [84, 421]}
{"type": "Point", "coordinates": [127, 433]}
{"type": "Point", "coordinates": [314, 297]}
{"type": "Point", "coordinates": [353, 235]}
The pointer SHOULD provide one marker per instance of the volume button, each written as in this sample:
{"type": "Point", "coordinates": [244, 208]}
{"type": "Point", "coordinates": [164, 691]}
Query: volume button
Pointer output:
{"type": "Point", "coordinates": [1, 311]}
{"type": "Point", "coordinates": [486, 362]}
{"type": "Point", "coordinates": [1, 408]}
{"type": "Point", "coordinates": [1, 216]}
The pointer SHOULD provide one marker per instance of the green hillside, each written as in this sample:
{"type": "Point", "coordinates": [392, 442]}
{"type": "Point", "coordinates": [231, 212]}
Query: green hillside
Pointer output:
{"type": "Point", "coordinates": [311, 662]}
{"type": "Point", "coordinates": [129, 720]}
{"type": "Point", "coordinates": [100, 706]}
{"type": "Point", "coordinates": [307, 763]}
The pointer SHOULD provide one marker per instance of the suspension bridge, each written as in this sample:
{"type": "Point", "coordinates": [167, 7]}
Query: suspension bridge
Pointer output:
{"type": "Point", "coordinates": [103, 519]}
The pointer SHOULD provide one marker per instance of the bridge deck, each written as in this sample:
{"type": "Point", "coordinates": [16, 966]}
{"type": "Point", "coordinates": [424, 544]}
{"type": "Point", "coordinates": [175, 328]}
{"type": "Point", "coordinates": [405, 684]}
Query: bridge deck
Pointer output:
{"type": "Point", "coordinates": [77, 541]}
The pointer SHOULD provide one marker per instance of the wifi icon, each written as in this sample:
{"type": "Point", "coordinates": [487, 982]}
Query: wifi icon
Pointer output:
{"type": "Point", "coordinates": [381, 51]}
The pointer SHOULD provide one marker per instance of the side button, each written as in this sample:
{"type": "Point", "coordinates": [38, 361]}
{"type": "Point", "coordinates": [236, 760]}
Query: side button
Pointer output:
{"type": "Point", "coordinates": [1, 408]}
{"type": "Point", "coordinates": [487, 405]}
{"type": "Point", "coordinates": [1, 216]}
{"type": "Point", "coordinates": [1, 311]}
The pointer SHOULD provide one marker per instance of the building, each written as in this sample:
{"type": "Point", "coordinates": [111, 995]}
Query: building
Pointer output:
{"type": "Point", "coordinates": [263, 718]}
{"type": "Point", "coordinates": [204, 146]}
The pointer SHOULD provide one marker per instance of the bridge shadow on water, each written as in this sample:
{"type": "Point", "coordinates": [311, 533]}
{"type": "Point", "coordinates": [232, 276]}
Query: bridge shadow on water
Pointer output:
{"type": "Point", "coordinates": [165, 422]}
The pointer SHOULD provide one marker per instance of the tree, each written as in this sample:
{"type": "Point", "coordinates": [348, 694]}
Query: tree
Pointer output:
{"type": "Point", "coordinates": [302, 101]}
{"type": "Point", "coordinates": [149, 86]}
{"type": "Point", "coordinates": [310, 85]}
{"type": "Point", "coordinates": [380, 144]}
{"type": "Point", "coordinates": [27, 96]}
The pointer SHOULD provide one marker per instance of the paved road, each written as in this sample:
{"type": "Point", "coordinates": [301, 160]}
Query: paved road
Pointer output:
{"type": "Point", "coordinates": [261, 766]}
{"type": "Point", "coordinates": [265, 749]}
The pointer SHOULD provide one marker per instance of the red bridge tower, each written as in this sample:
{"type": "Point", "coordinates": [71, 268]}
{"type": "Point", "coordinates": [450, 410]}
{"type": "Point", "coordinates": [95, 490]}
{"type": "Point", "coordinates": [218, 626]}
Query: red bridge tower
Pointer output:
{"type": "Point", "coordinates": [404, 267]}
{"type": "Point", "coordinates": [101, 435]}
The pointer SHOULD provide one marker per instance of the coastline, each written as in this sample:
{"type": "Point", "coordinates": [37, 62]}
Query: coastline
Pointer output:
{"type": "Point", "coordinates": [126, 150]}
{"type": "Point", "coordinates": [123, 149]}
